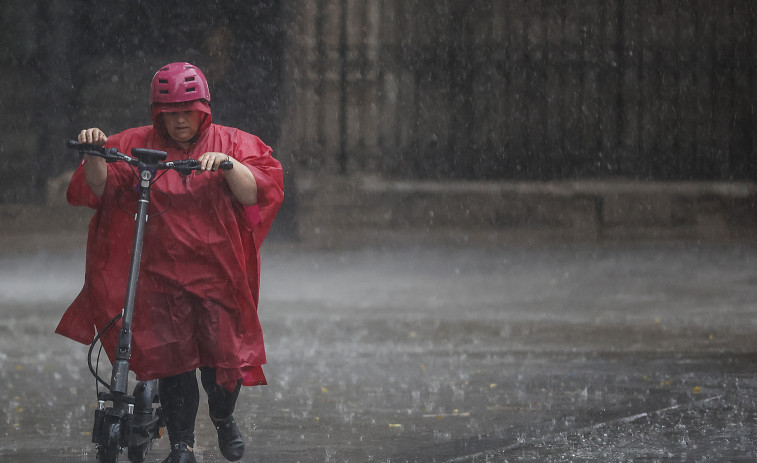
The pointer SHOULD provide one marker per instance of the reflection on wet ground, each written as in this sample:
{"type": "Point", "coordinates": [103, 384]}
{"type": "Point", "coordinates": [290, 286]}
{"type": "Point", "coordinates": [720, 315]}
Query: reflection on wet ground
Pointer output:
{"type": "Point", "coordinates": [616, 353]}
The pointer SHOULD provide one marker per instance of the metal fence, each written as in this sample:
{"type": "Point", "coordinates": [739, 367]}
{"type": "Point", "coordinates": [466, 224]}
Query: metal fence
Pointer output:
{"type": "Point", "coordinates": [523, 89]}
{"type": "Point", "coordinates": [477, 89]}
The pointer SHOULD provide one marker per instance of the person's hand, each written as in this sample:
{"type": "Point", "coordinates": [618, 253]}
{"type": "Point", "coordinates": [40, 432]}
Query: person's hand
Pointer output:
{"type": "Point", "coordinates": [211, 160]}
{"type": "Point", "coordinates": [93, 136]}
{"type": "Point", "coordinates": [95, 168]}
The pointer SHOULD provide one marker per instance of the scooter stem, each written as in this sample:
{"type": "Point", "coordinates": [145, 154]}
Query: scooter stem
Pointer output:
{"type": "Point", "coordinates": [119, 378]}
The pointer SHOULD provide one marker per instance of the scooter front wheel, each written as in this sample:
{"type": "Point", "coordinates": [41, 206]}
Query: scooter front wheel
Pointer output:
{"type": "Point", "coordinates": [110, 446]}
{"type": "Point", "coordinates": [144, 424]}
{"type": "Point", "coordinates": [138, 453]}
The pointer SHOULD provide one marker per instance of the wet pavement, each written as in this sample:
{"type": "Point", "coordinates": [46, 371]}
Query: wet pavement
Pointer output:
{"type": "Point", "coordinates": [637, 352]}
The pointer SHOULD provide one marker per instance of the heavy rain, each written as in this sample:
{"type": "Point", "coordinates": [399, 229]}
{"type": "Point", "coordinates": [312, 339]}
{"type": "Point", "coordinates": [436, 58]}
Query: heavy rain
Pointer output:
{"type": "Point", "coordinates": [512, 230]}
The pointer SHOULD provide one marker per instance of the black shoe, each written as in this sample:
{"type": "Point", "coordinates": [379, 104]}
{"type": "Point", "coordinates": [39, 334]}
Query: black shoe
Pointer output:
{"type": "Point", "coordinates": [180, 453]}
{"type": "Point", "coordinates": [229, 439]}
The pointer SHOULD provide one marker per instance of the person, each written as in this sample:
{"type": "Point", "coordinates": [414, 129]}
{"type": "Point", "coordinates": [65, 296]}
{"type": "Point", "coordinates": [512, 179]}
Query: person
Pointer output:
{"type": "Point", "coordinates": [197, 296]}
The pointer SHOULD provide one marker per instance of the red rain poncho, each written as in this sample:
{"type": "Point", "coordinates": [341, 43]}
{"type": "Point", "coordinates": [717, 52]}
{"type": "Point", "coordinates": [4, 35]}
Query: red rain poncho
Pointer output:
{"type": "Point", "coordinates": [197, 294]}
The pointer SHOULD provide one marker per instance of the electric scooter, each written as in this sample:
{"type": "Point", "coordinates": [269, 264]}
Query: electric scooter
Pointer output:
{"type": "Point", "coordinates": [124, 421]}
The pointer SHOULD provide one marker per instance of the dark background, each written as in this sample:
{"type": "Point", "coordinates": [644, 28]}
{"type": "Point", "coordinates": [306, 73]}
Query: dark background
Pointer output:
{"type": "Point", "coordinates": [419, 89]}
{"type": "Point", "coordinates": [77, 64]}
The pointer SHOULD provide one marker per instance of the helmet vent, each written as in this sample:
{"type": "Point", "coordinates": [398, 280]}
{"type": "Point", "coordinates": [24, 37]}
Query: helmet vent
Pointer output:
{"type": "Point", "coordinates": [163, 92]}
{"type": "Point", "coordinates": [189, 79]}
{"type": "Point", "coordinates": [163, 81]}
{"type": "Point", "coordinates": [191, 89]}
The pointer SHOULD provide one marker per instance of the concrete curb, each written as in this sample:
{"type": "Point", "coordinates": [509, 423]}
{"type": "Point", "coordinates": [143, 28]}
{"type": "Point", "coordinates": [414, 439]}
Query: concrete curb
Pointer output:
{"type": "Point", "coordinates": [335, 211]}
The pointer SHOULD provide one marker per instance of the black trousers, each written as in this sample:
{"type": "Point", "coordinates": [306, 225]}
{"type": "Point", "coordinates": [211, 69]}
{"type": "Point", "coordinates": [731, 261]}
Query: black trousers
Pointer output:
{"type": "Point", "coordinates": [180, 399]}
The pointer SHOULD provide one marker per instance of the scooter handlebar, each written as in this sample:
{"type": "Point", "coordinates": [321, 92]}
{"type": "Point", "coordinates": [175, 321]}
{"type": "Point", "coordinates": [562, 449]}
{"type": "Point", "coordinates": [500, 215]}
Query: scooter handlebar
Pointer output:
{"type": "Point", "coordinates": [73, 144]}
{"type": "Point", "coordinates": [151, 156]}
{"type": "Point", "coordinates": [193, 164]}
{"type": "Point", "coordinates": [109, 154]}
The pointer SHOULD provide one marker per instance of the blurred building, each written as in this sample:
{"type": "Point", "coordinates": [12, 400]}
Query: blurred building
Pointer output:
{"type": "Point", "coordinates": [497, 90]}
{"type": "Point", "coordinates": [523, 89]}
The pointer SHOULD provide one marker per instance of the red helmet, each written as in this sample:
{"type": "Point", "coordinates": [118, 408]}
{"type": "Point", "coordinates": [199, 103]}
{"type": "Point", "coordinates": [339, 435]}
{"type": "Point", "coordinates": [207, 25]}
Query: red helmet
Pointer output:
{"type": "Point", "coordinates": [178, 83]}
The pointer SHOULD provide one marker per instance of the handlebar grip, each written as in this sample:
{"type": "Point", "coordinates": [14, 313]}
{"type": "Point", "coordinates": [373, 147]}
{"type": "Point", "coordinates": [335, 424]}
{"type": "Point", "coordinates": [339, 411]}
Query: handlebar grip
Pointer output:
{"type": "Point", "coordinates": [73, 144]}
{"type": "Point", "coordinates": [226, 165]}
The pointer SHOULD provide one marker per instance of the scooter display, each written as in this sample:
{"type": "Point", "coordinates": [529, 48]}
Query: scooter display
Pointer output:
{"type": "Point", "coordinates": [122, 420]}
